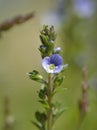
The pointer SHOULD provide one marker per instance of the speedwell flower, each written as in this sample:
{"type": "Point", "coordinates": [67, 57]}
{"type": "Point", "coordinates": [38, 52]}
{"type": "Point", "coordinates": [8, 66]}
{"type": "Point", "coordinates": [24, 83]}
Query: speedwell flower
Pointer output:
{"type": "Point", "coordinates": [53, 64]}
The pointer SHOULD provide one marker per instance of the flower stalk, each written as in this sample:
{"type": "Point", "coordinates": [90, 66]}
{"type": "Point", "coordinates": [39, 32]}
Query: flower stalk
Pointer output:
{"type": "Point", "coordinates": [49, 111]}
{"type": "Point", "coordinates": [52, 63]}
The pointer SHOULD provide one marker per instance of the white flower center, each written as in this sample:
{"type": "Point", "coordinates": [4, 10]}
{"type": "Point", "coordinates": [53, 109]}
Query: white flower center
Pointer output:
{"type": "Point", "coordinates": [52, 67]}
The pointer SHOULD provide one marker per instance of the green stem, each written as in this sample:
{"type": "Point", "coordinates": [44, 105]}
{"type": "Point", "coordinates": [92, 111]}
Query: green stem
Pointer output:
{"type": "Point", "coordinates": [49, 111]}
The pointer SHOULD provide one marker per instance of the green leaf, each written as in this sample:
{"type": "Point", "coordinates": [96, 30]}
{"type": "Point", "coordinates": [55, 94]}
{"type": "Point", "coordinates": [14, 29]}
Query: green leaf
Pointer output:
{"type": "Point", "coordinates": [50, 47]}
{"type": "Point", "coordinates": [58, 112]}
{"type": "Point", "coordinates": [41, 117]}
{"type": "Point", "coordinates": [59, 90]}
{"type": "Point", "coordinates": [44, 104]}
{"type": "Point", "coordinates": [43, 50]}
{"type": "Point", "coordinates": [44, 39]}
{"type": "Point", "coordinates": [58, 80]}
{"type": "Point", "coordinates": [34, 75]}
{"type": "Point", "coordinates": [37, 124]}
{"type": "Point", "coordinates": [43, 93]}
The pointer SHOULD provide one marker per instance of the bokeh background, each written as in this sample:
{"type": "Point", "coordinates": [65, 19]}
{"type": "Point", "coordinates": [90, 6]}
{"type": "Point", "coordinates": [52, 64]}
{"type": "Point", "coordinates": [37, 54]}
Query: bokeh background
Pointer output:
{"type": "Point", "coordinates": [75, 22]}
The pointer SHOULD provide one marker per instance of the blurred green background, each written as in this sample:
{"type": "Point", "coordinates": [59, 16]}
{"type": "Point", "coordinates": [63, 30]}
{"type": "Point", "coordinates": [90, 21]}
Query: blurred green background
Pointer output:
{"type": "Point", "coordinates": [77, 35]}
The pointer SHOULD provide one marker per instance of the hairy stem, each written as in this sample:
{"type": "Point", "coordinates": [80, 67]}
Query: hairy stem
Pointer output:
{"type": "Point", "coordinates": [49, 111]}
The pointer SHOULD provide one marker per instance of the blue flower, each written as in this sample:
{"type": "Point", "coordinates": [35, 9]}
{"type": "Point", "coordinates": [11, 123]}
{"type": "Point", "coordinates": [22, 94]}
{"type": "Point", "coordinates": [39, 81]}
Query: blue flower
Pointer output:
{"type": "Point", "coordinates": [53, 64]}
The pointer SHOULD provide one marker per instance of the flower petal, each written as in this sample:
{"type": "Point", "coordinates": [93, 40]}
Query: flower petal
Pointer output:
{"type": "Point", "coordinates": [58, 69]}
{"type": "Point", "coordinates": [56, 59]}
{"type": "Point", "coordinates": [46, 63]}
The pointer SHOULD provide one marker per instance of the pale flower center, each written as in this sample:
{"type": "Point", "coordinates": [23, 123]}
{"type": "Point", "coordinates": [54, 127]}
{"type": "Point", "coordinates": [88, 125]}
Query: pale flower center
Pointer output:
{"type": "Point", "coordinates": [52, 67]}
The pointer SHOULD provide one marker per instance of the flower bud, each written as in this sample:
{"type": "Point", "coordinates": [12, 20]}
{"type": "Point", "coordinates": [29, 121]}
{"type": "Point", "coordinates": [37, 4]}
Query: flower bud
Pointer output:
{"type": "Point", "coordinates": [34, 75]}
